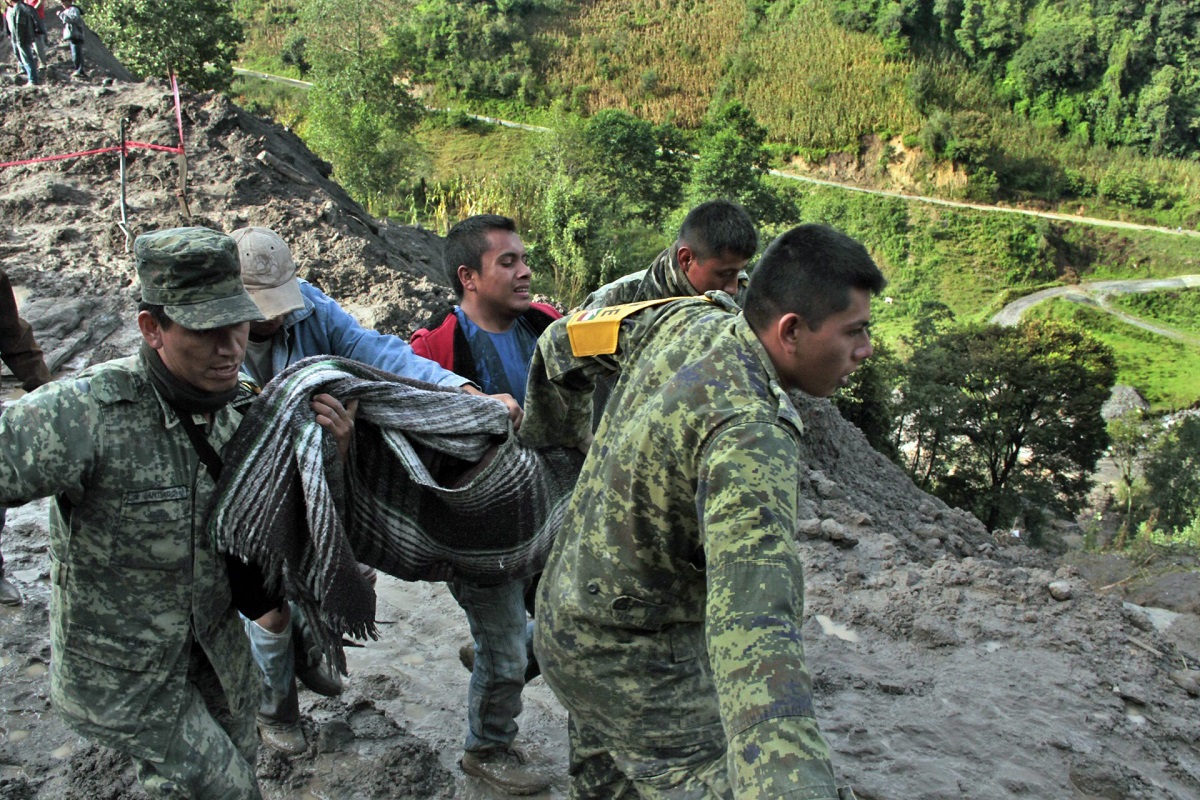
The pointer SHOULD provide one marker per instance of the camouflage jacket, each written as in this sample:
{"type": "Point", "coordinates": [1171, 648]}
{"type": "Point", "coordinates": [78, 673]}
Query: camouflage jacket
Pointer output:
{"type": "Point", "coordinates": [669, 614]}
{"type": "Point", "coordinates": [134, 577]}
{"type": "Point", "coordinates": [664, 278]}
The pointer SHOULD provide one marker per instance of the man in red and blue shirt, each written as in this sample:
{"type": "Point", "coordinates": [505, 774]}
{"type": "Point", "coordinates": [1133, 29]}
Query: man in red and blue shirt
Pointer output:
{"type": "Point", "coordinates": [490, 337]}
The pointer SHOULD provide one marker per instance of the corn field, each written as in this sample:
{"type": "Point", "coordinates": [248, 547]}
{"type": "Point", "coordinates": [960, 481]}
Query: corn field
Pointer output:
{"type": "Point", "coordinates": [800, 74]}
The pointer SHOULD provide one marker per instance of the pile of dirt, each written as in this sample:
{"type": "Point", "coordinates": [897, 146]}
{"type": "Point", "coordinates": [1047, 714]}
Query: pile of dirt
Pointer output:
{"type": "Point", "coordinates": [947, 664]}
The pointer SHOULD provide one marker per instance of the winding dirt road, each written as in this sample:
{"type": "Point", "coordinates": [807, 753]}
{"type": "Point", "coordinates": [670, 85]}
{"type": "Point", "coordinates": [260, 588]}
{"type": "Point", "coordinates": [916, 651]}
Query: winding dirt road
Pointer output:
{"type": "Point", "coordinates": [1097, 293]}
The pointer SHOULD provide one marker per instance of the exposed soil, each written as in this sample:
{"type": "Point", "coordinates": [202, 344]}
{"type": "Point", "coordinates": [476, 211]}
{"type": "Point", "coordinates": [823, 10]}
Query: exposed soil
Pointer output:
{"type": "Point", "coordinates": [947, 663]}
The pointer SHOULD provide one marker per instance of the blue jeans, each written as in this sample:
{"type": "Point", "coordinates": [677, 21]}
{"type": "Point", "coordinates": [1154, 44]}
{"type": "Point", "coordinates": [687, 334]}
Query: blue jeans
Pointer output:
{"type": "Point", "coordinates": [28, 61]}
{"type": "Point", "coordinates": [503, 636]}
{"type": "Point", "coordinates": [77, 54]}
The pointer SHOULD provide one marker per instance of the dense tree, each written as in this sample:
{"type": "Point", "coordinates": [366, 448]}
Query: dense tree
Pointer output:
{"type": "Point", "coordinates": [197, 39]}
{"type": "Point", "coordinates": [1016, 416]}
{"type": "Point", "coordinates": [477, 48]}
{"type": "Point", "coordinates": [1115, 72]}
{"type": "Point", "coordinates": [643, 164]}
{"type": "Point", "coordinates": [360, 115]}
{"type": "Point", "coordinates": [732, 163]}
{"type": "Point", "coordinates": [1128, 436]}
{"type": "Point", "coordinates": [1173, 476]}
{"type": "Point", "coordinates": [868, 401]}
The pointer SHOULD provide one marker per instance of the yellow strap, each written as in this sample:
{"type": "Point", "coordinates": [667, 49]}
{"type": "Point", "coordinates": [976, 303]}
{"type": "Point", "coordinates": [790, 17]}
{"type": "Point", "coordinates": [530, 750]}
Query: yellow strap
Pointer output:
{"type": "Point", "coordinates": [594, 332]}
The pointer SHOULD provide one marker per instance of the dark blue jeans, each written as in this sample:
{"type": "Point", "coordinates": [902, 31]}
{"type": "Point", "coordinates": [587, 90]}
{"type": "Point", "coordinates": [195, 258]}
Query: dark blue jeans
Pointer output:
{"type": "Point", "coordinates": [77, 54]}
{"type": "Point", "coordinates": [28, 61]}
{"type": "Point", "coordinates": [503, 635]}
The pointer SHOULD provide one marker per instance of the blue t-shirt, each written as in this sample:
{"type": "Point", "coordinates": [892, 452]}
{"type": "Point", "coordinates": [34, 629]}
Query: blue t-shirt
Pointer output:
{"type": "Point", "coordinates": [501, 359]}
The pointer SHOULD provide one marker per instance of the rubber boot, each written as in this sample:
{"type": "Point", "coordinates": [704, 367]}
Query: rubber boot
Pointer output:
{"type": "Point", "coordinates": [312, 668]}
{"type": "Point", "coordinates": [10, 595]}
{"type": "Point", "coordinates": [279, 712]}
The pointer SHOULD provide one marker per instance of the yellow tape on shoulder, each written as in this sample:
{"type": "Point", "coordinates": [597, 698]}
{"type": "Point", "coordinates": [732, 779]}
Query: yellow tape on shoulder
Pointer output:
{"type": "Point", "coordinates": [595, 332]}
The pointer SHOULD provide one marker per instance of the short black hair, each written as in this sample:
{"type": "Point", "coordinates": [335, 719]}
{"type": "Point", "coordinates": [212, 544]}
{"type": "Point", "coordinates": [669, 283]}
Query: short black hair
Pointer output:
{"type": "Point", "coordinates": [158, 312]}
{"type": "Point", "coordinates": [809, 271]}
{"type": "Point", "coordinates": [717, 226]}
{"type": "Point", "coordinates": [466, 243]}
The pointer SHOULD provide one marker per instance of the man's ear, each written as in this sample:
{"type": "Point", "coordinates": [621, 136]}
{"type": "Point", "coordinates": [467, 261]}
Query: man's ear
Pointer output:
{"type": "Point", "coordinates": [686, 257]}
{"type": "Point", "coordinates": [466, 277]}
{"type": "Point", "coordinates": [787, 329]}
{"type": "Point", "coordinates": [151, 330]}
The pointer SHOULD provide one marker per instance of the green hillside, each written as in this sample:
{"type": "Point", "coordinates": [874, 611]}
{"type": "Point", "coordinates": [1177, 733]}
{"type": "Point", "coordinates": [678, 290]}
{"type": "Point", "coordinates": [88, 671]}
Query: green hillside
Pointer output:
{"type": "Point", "coordinates": [897, 96]}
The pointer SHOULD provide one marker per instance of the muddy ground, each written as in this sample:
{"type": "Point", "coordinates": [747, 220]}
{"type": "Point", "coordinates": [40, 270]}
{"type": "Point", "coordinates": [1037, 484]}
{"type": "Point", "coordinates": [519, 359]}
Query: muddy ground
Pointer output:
{"type": "Point", "coordinates": [947, 663]}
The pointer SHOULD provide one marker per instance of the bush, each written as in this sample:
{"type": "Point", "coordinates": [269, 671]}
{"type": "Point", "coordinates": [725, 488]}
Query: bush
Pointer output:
{"type": "Point", "coordinates": [1127, 187]}
{"type": "Point", "coordinates": [1173, 476]}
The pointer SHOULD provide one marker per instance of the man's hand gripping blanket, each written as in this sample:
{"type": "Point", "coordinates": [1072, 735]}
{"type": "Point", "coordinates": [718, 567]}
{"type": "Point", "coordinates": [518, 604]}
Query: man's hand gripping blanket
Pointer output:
{"type": "Point", "coordinates": [436, 486]}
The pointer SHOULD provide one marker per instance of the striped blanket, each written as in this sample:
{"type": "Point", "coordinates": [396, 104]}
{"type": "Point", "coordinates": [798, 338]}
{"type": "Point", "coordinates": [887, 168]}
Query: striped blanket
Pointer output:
{"type": "Point", "coordinates": [412, 501]}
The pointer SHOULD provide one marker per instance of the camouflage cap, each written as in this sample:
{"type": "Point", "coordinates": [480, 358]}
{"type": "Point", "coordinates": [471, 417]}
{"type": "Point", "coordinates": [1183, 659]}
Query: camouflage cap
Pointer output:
{"type": "Point", "coordinates": [194, 274]}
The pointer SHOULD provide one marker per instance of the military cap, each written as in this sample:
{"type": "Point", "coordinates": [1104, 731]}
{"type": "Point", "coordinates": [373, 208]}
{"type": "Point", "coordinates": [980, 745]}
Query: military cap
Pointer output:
{"type": "Point", "coordinates": [194, 274]}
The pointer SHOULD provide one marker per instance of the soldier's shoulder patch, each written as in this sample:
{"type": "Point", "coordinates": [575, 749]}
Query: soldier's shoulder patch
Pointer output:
{"type": "Point", "coordinates": [114, 385]}
{"type": "Point", "coordinates": [595, 332]}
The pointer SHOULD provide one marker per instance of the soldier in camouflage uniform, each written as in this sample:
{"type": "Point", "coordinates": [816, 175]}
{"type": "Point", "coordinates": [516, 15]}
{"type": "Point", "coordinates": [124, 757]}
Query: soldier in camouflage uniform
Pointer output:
{"type": "Point", "coordinates": [715, 241]}
{"type": "Point", "coordinates": [669, 614]}
{"type": "Point", "coordinates": [23, 356]}
{"type": "Point", "coordinates": [149, 655]}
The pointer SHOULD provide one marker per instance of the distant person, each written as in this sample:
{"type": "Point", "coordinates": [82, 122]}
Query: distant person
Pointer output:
{"type": "Point", "coordinates": [302, 321]}
{"type": "Point", "coordinates": [23, 28]}
{"type": "Point", "coordinates": [73, 34]}
{"type": "Point", "coordinates": [23, 356]}
{"type": "Point", "coordinates": [670, 611]}
{"type": "Point", "coordinates": [149, 654]}
{"type": "Point", "coordinates": [490, 337]}
{"type": "Point", "coordinates": [39, 8]}
{"type": "Point", "coordinates": [715, 241]}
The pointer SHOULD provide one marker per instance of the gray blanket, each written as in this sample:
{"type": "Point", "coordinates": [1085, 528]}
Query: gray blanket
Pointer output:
{"type": "Point", "coordinates": [412, 501]}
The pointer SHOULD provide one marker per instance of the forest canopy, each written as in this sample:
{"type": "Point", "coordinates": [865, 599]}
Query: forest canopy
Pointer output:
{"type": "Point", "coordinates": [1109, 72]}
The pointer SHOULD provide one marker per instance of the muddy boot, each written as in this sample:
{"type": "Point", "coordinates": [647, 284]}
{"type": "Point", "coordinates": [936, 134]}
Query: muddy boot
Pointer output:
{"type": "Point", "coordinates": [503, 768]}
{"type": "Point", "coordinates": [10, 595]}
{"type": "Point", "coordinates": [279, 724]}
{"type": "Point", "coordinates": [279, 712]}
{"type": "Point", "coordinates": [312, 668]}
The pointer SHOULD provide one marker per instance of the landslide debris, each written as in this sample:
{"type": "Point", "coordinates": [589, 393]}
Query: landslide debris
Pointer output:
{"type": "Point", "coordinates": [946, 663]}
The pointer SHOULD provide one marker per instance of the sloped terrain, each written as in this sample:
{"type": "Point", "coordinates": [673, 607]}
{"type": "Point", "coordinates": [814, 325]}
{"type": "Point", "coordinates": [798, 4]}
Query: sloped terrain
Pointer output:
{"type": "Point", "coordinates": [947, 664]}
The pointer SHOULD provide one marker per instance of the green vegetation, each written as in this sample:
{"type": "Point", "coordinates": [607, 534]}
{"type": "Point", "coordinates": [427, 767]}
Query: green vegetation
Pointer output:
{"type": "Point", "coordinates": [197, 39]}
{"type": "Point", "coordinates": [1087, 128]}
{"type": "Point", "coordinates": [1160, 486]}
{"type": "Point", "coordinates": [1179, 309]}
{"type": "Point", "coordinates": [1112, 72]}
{"type": "Point", "coordinates": [1004, 421]}
{"type": "Point", "coordinates": [1163, 370]}
{"type": "Point", "coordinates": [629, 87]}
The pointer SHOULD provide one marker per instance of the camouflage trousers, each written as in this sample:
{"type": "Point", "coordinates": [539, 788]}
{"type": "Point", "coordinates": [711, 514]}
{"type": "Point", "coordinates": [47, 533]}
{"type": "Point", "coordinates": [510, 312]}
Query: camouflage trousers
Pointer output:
{"type": "Point", "coordinates": [213, 754]}
{"type": "Point", "coordinates": [602, 771]}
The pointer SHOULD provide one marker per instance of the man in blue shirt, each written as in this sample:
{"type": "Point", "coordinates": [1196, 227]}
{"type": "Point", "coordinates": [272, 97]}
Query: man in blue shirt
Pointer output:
{"type": "Point", "coordinates": [302, 321]}
{"type": "Point", "coordinates": [490, 336]}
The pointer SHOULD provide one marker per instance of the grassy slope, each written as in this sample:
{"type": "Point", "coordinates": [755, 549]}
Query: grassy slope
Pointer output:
{"type": "Point", "coordinates": [1179, 309]}
{"type": "Point", "coordinates": [1163, 370]}
{"type": "Point", "coordinates": [972, 262]}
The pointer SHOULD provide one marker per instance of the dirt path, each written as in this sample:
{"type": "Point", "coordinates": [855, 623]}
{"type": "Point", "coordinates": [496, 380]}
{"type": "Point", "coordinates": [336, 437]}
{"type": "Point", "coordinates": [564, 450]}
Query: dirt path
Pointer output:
{"type": "Point", "coordinates": [1097, 293]}
{"type": "Point", "coordinates": [791, 176]}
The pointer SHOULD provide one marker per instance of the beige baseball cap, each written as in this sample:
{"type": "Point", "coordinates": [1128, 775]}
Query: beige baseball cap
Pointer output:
{"type": "Point", "coordinates": [268, 271]}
